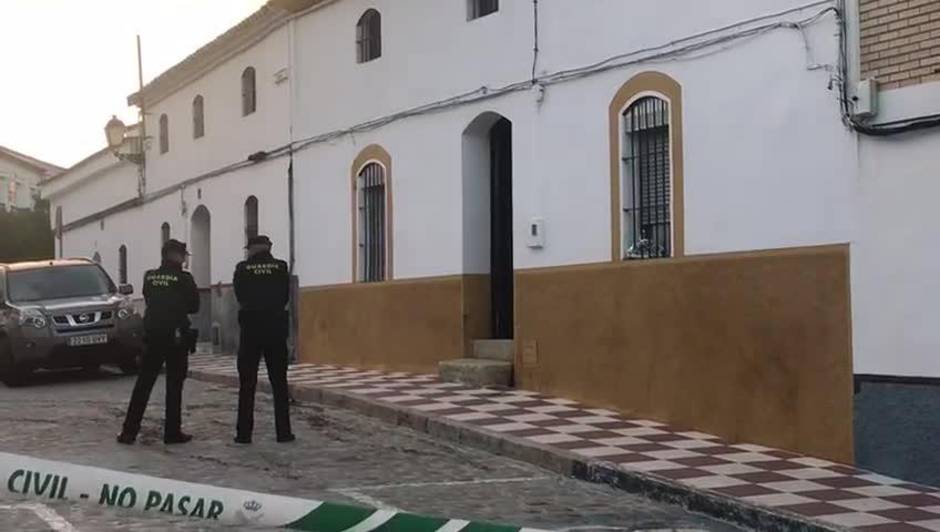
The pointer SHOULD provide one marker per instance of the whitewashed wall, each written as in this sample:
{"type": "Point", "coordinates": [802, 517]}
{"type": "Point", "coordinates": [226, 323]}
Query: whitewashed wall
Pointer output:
{"type": "Point", "coordinates": [895, 259]}
{"type": "Point", "coordinates": [229, 136]}
{"type": "Point", "coordinates": [766, 155]}
{"type": "Point", "coordinates": [26, 180]}
{"type": "Point", "coordinates": [91, 187]}
{"type": "Point", "coordinates": [139, 229]}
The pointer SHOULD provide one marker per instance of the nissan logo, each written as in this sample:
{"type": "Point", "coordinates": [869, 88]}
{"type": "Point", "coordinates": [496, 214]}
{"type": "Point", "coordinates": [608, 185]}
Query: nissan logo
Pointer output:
{"type": "Point", "coordinates": [84, 318]}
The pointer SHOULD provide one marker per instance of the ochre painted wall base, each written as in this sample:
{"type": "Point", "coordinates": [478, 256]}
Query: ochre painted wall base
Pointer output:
{"type": "Point", "coordinates": [399, 326]}
{"type": "Point", "coordinates": [752, 347]}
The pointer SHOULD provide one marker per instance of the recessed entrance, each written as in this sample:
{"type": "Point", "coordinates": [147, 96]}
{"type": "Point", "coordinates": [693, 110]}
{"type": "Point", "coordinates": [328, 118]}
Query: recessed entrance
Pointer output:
{"type": "Point", "coordinates": [488, 214]}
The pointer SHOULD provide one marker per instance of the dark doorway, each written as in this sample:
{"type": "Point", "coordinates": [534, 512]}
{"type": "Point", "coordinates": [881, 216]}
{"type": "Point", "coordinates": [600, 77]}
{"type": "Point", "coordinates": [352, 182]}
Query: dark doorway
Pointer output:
{"type": "Point", "coordinates": [501, 268]}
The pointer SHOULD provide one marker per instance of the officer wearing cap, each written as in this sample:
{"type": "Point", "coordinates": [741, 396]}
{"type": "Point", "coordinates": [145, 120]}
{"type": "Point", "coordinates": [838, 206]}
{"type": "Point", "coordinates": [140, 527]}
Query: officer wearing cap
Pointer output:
{"type": "Point", "coordinates": [171, 295]}
{"type": "Point", "coordinates": [262, 287]}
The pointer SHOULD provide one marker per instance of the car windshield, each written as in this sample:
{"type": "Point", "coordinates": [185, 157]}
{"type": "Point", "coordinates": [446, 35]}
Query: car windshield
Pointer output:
{"type": "Point", "coordinates": [57, 283]}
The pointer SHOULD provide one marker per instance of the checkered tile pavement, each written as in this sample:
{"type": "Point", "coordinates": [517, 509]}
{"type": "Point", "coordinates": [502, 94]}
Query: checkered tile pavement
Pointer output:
{"type": "Point", "coordinates": [783, 481]}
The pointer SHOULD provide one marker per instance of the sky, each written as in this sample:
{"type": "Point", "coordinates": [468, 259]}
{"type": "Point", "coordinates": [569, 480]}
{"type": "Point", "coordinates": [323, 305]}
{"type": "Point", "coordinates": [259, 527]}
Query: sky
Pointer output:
{"type": "Point", "coordinates": [66, 66]}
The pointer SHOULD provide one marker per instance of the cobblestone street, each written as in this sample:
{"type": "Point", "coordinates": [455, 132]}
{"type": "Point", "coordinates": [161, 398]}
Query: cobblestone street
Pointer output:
{"type": "Point", "coordinates": [340, 456]}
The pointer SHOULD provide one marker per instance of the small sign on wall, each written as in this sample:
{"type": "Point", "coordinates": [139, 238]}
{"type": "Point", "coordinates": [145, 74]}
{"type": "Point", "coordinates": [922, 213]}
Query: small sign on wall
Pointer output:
{"type": "Point", "coordinates": [530, 353]}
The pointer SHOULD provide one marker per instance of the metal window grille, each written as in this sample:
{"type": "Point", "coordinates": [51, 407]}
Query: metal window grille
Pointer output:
{"type": "Point", "coordinates": [647, 187]}
{"type": "Point", "coordinates": [482, 8]}
{"type": "Point", "coordinates": [122, 264]}
{"type": "Point", "coordinates": [249, 94]}
{"type": "Point", "coordinates": [199, 118]}
{"type": "Point", "coordinates": [251, 218]}
{"type": "Point", "coordinates": [369, 36]}
{"type": "Point", "coordinates": [164, 233]}
{"type": "Point", "coordinates": [164, 134]}
{"type": "Point", "coordinates": [372, 236]}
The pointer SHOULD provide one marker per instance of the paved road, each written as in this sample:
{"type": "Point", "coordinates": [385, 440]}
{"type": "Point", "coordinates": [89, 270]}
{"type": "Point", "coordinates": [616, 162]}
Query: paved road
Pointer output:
{"type": "Point", "coordinates": [340, 457]}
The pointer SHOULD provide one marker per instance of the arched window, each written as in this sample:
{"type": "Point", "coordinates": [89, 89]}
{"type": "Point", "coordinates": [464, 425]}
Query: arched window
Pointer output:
{"type": "Point", "coordinates": [372, 201]}
{"type": "Point", "coordinates": [199, 117]}
{"type": "Point", "coordinates": [164, 133]}
{"type": "Point", "coordinates": [481, 8]}
{"type": "Point", "coordinates": [164, 233]}
{"type": "Point", "coordinates": [647, 182]}
{"type": "Point", "coordinates": [251, 218]}
{"type": "Point", "coordinates": [122, 264]}
{"type": "Point", "coordinates": [369, 36]}
{"type": "Point", "coordinates": [249, 94]}
{"type": "Point", "coordinates": [647, 196]}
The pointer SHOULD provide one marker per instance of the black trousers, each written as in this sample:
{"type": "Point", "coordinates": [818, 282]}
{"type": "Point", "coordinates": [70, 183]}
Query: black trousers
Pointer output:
{"type": "Point", "coordinates": [160, 348]}
{"type": "Point", "coordinates": [263, 335]}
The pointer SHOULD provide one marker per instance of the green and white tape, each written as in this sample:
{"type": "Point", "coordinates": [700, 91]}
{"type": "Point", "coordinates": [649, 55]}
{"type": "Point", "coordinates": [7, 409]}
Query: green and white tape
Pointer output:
{"type": "Point", "coordinates": [46, 480]}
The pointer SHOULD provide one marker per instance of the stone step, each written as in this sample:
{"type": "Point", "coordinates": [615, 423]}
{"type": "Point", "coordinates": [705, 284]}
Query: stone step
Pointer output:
{"type": "Point", "coordinates": [503, 350]}
{"type": "Point", "coordinates": [205, 348]}
{"type": "Point", "coordinates": [476, 372]}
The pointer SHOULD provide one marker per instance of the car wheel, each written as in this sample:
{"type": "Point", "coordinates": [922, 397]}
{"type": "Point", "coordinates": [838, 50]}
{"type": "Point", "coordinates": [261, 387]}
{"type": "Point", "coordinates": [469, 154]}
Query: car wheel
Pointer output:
{"type": "Point", "coordinates": [16, 377]}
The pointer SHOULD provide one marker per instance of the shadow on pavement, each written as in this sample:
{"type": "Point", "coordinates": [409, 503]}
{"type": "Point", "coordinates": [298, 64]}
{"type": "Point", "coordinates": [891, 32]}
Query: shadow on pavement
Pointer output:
{"type": "Point", "coordinates": [73, 376]}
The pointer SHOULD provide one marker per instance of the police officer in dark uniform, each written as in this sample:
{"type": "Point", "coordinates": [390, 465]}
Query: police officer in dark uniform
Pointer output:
{"type": "Point", "coordinates": [262, 287]}
{"type": "Point", "coordinates": [171, 295]}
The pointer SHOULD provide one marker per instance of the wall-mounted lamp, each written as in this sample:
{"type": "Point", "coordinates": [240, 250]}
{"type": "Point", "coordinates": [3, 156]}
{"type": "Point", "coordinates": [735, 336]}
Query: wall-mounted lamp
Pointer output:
{"type": "Point", "coordinates": [125, 147]}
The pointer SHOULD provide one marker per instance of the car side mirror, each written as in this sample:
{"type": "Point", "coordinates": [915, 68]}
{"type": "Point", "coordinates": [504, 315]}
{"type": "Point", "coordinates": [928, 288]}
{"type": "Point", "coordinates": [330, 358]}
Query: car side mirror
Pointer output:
{"type": "Point", "coordinates": [126, 289]}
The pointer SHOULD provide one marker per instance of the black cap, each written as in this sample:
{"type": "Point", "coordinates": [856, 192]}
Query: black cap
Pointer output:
{"type": "Point", "coordinates": [174, 245]}
{"type": "Point", "coordinates": [260, 240]}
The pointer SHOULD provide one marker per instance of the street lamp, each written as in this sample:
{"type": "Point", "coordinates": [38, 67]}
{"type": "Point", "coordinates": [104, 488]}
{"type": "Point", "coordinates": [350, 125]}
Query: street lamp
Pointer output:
{"type": "Point", "coordinates": [116, 133]}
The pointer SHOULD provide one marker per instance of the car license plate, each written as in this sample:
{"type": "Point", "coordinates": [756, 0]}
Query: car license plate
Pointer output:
{"type": "Point", "coordinates": [93, 339]}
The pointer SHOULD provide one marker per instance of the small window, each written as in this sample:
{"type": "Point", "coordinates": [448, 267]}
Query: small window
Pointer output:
{"type": "Point", "coordinates": [249, 93]}
{"type": "Point", "coordinates": [251, 218]}
{"type": "Point", "coordinates": [199, 118]}
{"type": "Point", "coordinates": [369, 36]}
{"type": "Point", "coordinates": [96, 257]}
{"type": "Point", "coordinates": [164, 133]}
{"type": "Point", "coordinates": [481, 8]}
{"type": "Point", "coordinates": [122, 264]}
{"type": "Point", "coordinates": [647, 182]}
{"type": "Point", "coordinates": [372, 236]}
{"type": "Point", "coordinates": [164, 233]}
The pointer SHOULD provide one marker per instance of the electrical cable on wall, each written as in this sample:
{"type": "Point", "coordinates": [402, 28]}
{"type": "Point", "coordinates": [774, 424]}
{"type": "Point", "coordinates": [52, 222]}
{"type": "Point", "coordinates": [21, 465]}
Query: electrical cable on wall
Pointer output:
{"type": "Point", "coordinates": [875, 130]}
{"type": "Point", "coordinates": [688, 48]}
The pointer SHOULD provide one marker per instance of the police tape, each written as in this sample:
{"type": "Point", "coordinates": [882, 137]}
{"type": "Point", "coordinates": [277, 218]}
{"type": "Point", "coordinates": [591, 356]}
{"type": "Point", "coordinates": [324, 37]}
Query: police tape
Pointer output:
{"type": "Point", "coordinates": [58, 481]}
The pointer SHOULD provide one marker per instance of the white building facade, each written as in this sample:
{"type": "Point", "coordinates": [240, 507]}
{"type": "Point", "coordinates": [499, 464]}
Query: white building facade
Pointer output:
{"type": "Point", "coordinates": [643, 202]}
{"type": "Point", "coordinates": [20, 178]}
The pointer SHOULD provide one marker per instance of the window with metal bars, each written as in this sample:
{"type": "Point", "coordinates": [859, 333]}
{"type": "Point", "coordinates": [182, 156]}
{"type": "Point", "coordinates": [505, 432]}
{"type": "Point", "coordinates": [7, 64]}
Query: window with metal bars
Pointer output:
{"type": "Point", "coordinates": [164, 133]}
{"type": "Point", "coordinates": [369, 36]}
{"type": "Point", "coordinates": [647, 180]}
{"type": "Point", "coordinates": [249, 92]}
{"type": "Point", "coordinates": [372, 236]}
{"type": "Point", "coordinates": [251, 218]}
{"type": "Point", "coordinates": [481, 8]}
{"type": "Point", "coordinates": [122, 264]}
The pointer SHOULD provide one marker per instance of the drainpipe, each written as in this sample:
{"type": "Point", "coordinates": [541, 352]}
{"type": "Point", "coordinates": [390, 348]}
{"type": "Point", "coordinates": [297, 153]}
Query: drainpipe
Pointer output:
{"type": "Point", "coordinates": [535, 46]}
{"type": "Point", "coordinates": [295, 284]}
{"type": "Point", "coordinates": [142, 105]}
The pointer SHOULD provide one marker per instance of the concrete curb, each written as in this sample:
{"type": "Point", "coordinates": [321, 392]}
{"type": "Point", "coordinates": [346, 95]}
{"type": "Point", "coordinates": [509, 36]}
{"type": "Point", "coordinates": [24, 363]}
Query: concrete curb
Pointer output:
{"type": "Point", "coordinates": [555, 460]}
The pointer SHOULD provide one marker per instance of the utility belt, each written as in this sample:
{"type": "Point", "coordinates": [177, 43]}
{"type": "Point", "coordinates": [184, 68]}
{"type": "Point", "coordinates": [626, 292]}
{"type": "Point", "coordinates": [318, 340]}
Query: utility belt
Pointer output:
{"type": "Point", "coordinates": [183, 337]}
